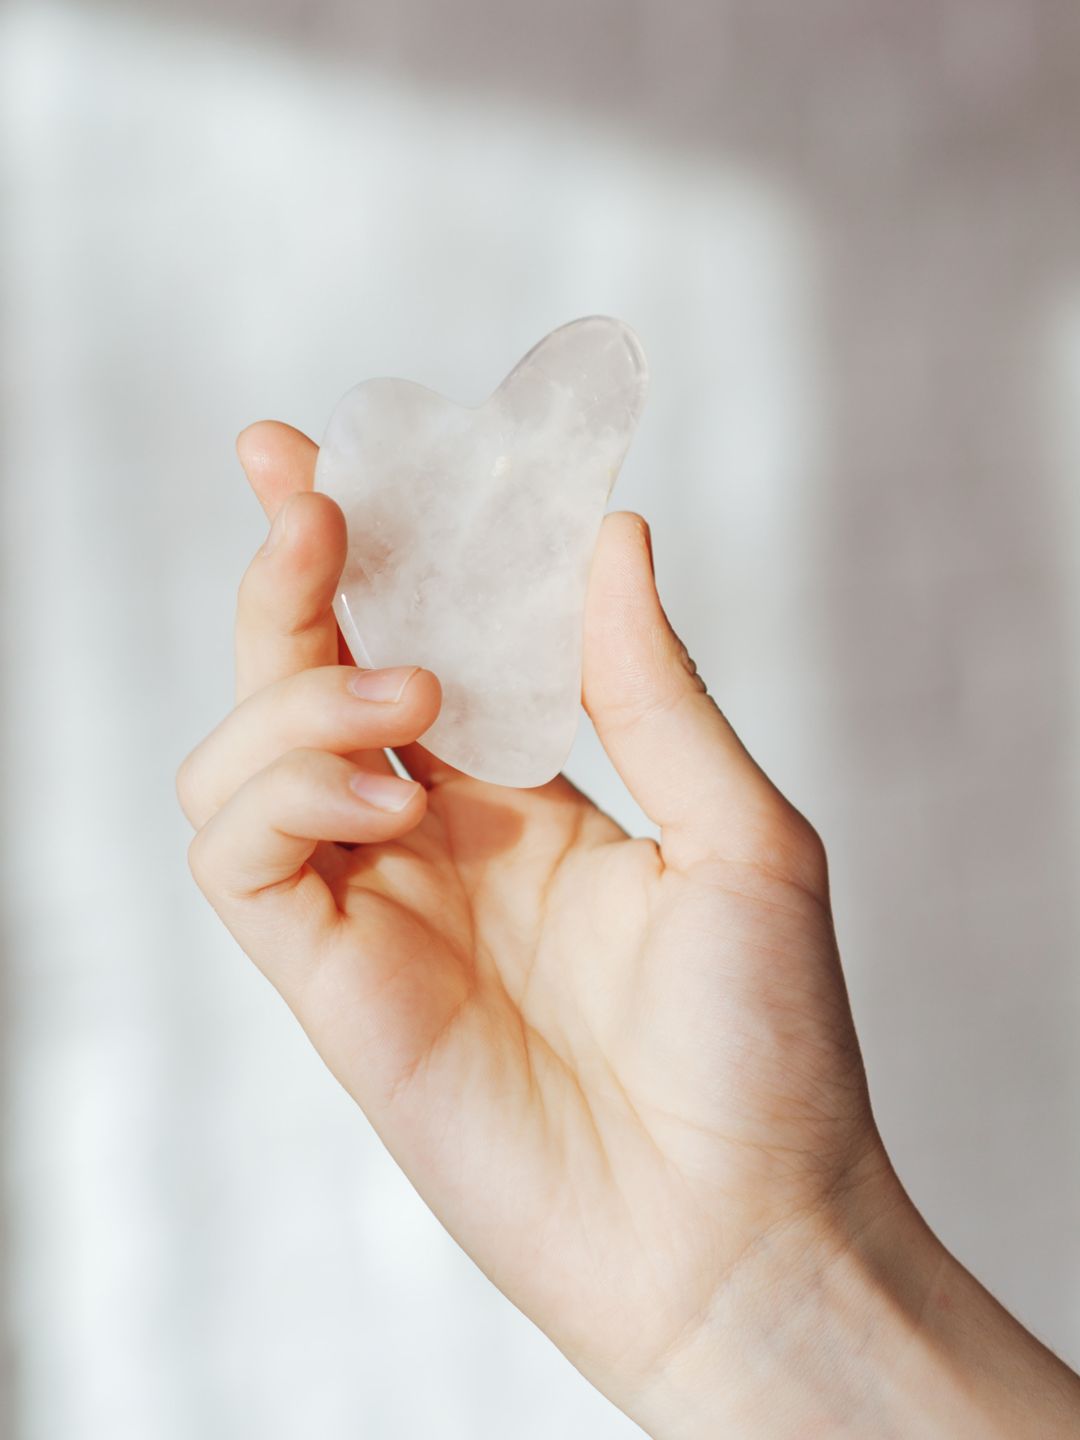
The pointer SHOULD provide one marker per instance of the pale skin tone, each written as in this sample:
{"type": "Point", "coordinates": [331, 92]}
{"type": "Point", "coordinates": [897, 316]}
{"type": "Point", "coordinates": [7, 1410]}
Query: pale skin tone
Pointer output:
{"type": "Point", "coordinates": [622, 1073]}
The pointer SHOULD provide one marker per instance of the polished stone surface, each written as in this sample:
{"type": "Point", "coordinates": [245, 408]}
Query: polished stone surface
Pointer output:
{"type": "Point", "coordinates": [470, 536]}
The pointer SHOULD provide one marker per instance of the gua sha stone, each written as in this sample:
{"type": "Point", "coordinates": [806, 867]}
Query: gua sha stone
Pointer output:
{"type": "Point", "coordinates": [471, 531]}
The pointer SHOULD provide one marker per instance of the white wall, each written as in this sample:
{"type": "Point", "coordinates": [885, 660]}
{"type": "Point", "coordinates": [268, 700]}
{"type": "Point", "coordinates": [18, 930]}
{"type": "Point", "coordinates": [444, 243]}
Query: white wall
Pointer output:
{"type": "Point", "coordinates": [861, 476]}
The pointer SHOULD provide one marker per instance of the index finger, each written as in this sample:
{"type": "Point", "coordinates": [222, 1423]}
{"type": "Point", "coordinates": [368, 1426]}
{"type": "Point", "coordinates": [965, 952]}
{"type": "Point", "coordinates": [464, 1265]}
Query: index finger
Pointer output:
{"type": "Point", "coordinates": [284, 619]}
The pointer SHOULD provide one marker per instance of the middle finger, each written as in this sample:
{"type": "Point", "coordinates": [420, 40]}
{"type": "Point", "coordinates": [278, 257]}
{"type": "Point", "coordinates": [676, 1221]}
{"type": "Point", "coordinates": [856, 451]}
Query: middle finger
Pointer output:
{"type": "Point", "coordinates": [284, 619]}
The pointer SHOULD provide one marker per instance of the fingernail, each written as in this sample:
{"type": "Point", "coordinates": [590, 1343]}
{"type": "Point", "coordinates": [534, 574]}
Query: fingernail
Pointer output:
{"type": "Point", "coordinates": [384, 792]}
{"type": "Point", "coordinates": [384, 685]}
{"type": "Point", "coordinates": [278, 529]}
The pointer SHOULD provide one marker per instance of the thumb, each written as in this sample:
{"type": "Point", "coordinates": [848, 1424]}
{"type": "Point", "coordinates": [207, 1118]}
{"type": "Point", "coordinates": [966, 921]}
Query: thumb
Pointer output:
{"type": "Point", "coordinates": [665, 735]}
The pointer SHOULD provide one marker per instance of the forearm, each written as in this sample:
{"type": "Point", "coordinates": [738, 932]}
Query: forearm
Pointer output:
{"type": "Point", "coordinates": [883, 1334]}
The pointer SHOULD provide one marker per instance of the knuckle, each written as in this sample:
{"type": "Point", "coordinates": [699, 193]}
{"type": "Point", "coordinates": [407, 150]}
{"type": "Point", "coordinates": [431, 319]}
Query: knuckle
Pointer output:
{"type": "Point", "coordinates": [298, 769]}
{"type": "Point", "coordinates": [294, 706]}
{"type": "Point", "coordinates": [199, 860]}
{"type": "Point", "coordinates": [309, 690]}
{"type": "Point", "coordinates": [685, 663]}
{"type": "Point", "coordinates": [806, 846]}
{"type": "Point", "coordinates": [785, 843]}
{"type": "Point", "coordinates": [186, 785]}
{"type": "Point", "coordinates": [797, 848]}
{"type": "Point", "coordinates": [651, 693]}
{"type": "Point", "coordinates": [246, 590]}
{"type": "Point", "coordinates": [310, 704]}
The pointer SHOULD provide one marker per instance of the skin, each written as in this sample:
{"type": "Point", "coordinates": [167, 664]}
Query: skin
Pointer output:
{"type": "Point", "coordinates": [622, 1073]}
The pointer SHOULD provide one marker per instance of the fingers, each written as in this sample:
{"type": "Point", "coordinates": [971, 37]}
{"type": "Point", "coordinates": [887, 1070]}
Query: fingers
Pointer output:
{"type": "Point", "coordinates": [336, 708]}
{"type": "Point", "coordinates": [277, 460]}
{"type": "Point", "coordinates": [675, 751]}
{"type": "Point", "coordinates": [284, 619]}
{"type": "Point", "coordinates": [251, 858]}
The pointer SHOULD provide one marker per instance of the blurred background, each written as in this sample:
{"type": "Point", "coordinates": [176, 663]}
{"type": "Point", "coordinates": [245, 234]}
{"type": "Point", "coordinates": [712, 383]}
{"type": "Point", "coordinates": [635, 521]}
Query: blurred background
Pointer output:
{"type": "Point", "coordinates": [848, 235]}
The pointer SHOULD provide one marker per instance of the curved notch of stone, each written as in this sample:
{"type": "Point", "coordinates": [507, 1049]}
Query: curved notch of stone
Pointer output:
{"type": "Point", "coordinates": [471, 531]}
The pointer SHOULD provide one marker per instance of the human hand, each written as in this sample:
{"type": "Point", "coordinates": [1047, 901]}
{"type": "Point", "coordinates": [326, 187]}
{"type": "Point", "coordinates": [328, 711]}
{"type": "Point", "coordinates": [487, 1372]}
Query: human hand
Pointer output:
{"type": "Point", "coordinates": [623, 1074]}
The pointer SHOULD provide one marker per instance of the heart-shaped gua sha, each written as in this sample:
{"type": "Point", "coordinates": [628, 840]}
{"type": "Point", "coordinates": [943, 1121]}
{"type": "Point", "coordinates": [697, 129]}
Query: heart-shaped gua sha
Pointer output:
{"type": "Point", "coordinates": [471, 531]}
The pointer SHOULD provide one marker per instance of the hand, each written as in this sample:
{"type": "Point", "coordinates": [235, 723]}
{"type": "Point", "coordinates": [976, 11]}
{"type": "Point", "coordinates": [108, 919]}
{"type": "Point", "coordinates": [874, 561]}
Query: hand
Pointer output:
{"type": "Point", "coordinates": [623, 1074]}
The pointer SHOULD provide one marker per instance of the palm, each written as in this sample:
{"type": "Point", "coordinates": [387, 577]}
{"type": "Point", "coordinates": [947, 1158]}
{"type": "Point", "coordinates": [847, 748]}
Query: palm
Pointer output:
{"type": "Point", "coordinates": [509, 966]}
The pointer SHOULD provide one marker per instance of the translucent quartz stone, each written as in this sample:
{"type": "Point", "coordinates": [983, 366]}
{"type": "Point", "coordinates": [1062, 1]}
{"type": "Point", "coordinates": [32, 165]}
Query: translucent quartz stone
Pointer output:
{"type": "Point", "coordinates": [471, 531]}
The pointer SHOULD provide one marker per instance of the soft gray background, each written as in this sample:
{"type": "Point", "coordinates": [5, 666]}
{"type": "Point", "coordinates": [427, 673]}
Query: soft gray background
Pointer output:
{"type": "Point", "coordinates": [848, 236]}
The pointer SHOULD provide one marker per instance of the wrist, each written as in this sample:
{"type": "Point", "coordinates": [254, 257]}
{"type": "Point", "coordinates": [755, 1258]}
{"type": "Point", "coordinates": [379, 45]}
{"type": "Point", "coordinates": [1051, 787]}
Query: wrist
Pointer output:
{"type": "Point", "coordinates": [858, 1323]}
{"type": "Point", "coordinates": [787, 1348]}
